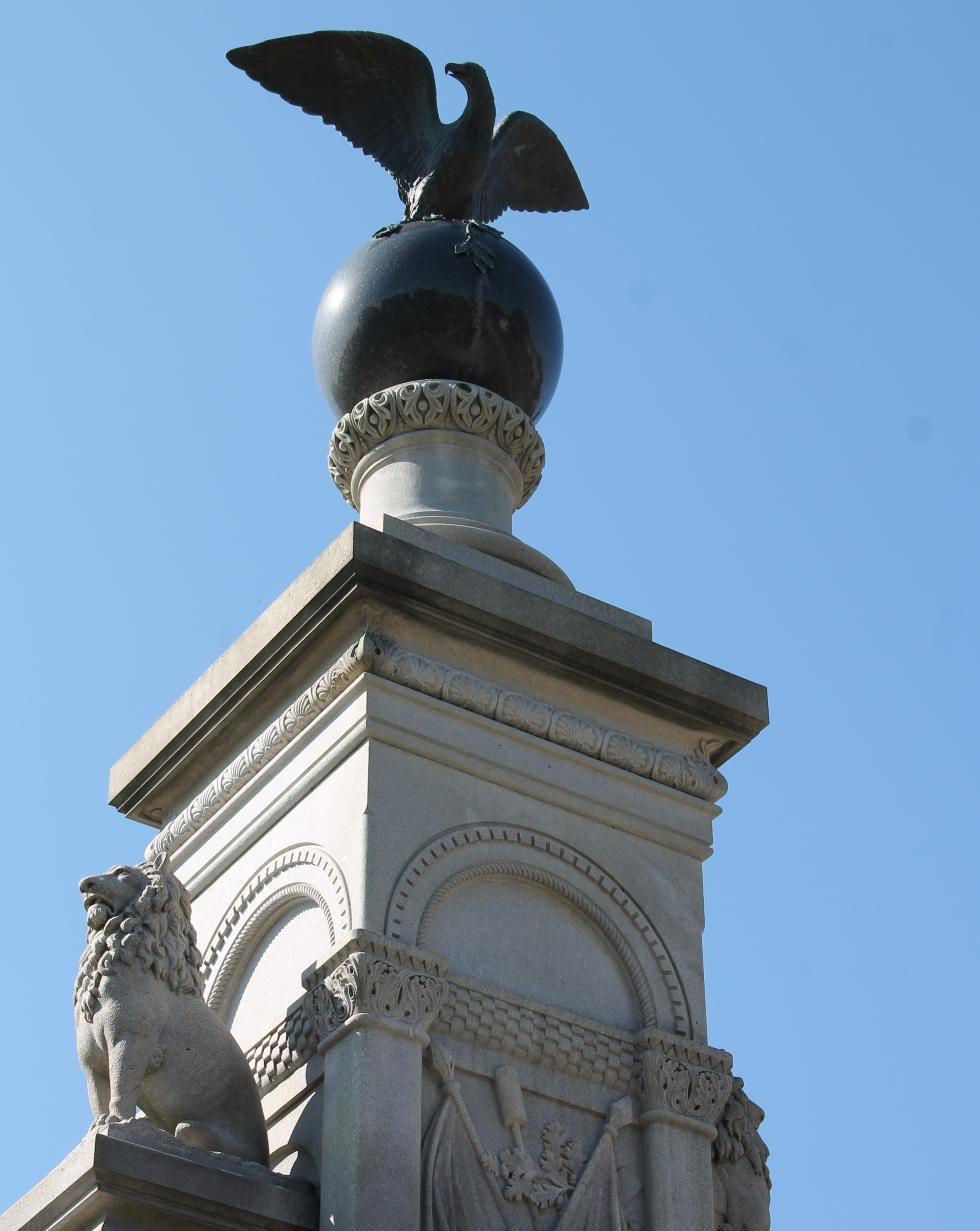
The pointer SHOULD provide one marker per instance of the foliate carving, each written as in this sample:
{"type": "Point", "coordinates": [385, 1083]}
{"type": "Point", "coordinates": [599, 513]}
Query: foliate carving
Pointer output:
{"type": "Point", "coordinates": [548, 1182]}
{"type": "Point", "coordinates": [366, 984]}
{"type": "Point", "coordinates": [465, 1184]}
{"type": "Point", "coordinates": [374, 976]}
{"type": "Point", "coordinates": [264, 749]}
{"type": "Point", "coordinates": [690, 1091]}
{"type": "Point", "coordinates": [691, 773]}
{"type": "Point", "coordinates": [684, 1079]}
{"type": "Point", "coordinates": [425, 404]}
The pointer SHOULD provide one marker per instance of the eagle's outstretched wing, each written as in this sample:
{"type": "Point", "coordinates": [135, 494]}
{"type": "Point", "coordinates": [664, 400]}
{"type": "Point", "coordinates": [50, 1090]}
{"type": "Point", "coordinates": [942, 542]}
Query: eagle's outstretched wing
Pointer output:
{"type": "Point", "coordinates": [377, 90]}
{"type": "Point", "coordinates": [528, 170]}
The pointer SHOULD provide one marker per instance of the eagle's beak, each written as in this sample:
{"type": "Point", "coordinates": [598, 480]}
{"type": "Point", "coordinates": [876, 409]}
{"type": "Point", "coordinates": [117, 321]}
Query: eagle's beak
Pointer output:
{"type": "Point", "coordinates": [452, 70]}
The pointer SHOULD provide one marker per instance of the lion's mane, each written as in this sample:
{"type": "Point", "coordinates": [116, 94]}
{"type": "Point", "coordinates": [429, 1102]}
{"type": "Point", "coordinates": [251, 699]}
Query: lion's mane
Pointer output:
{"type": "Point", "coordinates": [738, 1135]}
{"type": "Point", "coordinates": [153, 934]}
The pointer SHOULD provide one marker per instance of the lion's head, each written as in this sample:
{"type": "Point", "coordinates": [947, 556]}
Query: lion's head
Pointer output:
{"type": "Point", "coordinates": [138, 917]}
{"type": "Point", "coordinates": [738, 1133]}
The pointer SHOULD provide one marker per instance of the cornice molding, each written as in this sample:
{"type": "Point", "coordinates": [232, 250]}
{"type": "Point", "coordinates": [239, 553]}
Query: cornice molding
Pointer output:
{"type": "Point", "coordinates": [691, 773]}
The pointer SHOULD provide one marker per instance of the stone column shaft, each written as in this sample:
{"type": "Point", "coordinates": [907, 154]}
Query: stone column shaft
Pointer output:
{"type": "Point", "coordinates": [375, 1000]}
{"type": "Point", "coordinates": [372, 1131]}
{"type": "Point", "coordinates": [683, 1089]}
{"type": "Point", "coordinates": [679, 1186]}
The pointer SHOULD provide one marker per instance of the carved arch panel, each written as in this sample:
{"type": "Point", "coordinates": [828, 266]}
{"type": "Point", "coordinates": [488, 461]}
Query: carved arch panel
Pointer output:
{"type": "Point", "coordinates": [470, 854]}
{"type": "Point", "coordinates": [298, 875]}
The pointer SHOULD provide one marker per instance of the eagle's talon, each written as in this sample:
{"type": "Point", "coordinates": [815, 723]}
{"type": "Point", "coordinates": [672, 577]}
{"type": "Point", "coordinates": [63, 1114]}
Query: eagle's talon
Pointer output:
{"type": "Point", "coordinates": [483, 226]}
{"type": "Point", "coordinates": [481, 256]}
{"type": "Point", "coordinates": [391, 229]}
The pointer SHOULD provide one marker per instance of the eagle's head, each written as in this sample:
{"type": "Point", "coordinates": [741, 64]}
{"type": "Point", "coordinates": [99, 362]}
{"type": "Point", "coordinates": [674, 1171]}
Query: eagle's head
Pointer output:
{"type": "Point", "coordinates": [474, 79]}
{"type": "Point", "coordinates": [466, 73]}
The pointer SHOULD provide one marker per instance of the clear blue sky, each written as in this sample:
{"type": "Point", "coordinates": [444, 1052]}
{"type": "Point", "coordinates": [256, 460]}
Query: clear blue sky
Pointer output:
{"type": "Point", "coordinates": [765, 438]}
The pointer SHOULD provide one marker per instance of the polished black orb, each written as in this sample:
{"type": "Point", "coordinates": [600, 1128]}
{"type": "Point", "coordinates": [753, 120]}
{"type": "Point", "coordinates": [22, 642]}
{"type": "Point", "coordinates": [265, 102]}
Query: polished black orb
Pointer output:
{"type": "Point", "coordinates": [409, 306]}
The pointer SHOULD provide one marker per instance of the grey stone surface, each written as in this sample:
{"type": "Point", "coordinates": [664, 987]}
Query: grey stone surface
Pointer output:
{"type": "Point", "coordinates": [439, 405]}
{"type": "Point", "coordinates": [126, 1178]}
{"type": "Point", "coordinates": [443, 824]}
{"type": "Point", "coordinates": [456, 482]}
{"type": "Point", "coordinates": [262, 672]}
{"type": "Point", "coordinates": [145, 1035]}
{"type": "Point", "coordinates": [741, 1174]}
{"type": "Point", "coordinates": [522, 578]}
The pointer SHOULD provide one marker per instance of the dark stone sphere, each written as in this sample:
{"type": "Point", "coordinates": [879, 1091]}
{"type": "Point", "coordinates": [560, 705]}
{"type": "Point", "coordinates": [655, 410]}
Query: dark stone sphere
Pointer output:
{"type": "Point", "coordinates": [408, 307]}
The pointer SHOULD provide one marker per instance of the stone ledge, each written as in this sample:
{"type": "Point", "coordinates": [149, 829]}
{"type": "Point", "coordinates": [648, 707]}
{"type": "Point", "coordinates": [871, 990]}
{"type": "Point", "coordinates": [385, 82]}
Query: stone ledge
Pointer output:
{"type": "Point", "coordinates": [113, 1178]}
{"type": "Point", "coordinates": [256, 677]}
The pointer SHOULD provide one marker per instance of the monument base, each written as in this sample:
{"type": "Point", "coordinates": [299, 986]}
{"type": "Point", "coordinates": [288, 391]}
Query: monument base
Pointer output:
{"type": "Point", "coordinates": [127, 1177]}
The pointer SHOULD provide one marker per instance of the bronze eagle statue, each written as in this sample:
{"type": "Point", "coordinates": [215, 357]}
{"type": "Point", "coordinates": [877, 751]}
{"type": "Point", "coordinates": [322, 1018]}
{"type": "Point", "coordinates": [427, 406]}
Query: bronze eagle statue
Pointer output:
{"type": "Point", "coordinates": [380, 93]}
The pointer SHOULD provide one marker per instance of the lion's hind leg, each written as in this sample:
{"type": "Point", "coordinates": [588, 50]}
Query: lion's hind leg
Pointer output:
{"type": "Point", "coordinates": [206, 1136]}
{"type": "Point", "coordinates": [197, 1133]}
{"type": "Point", "coordinates": [98, 1094]}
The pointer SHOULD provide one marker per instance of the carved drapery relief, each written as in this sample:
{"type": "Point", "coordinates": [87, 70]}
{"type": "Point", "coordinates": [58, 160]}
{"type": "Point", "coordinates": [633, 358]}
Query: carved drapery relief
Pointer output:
{"type": "Point", "coordinates": [459, 1188]}
{"type": "Point", "coordinates": [565, 871]}
{"type": "Point", "coordinates": [691, 773]}
{"type": "Point", "coordinates": [423, 405]}
{"type": "Point", "coordinates": [467, 1185]}
{"type": "Point", "coordinates": [271, 892]}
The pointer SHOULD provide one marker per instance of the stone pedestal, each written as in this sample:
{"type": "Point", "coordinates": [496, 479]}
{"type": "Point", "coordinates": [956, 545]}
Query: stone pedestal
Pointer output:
{"type": "Point", "coordinates": [451, 457]}
{"type": "Point", "coordinates": [443, 820]}
{"type": "Point", "coordinates": [125, 1179]}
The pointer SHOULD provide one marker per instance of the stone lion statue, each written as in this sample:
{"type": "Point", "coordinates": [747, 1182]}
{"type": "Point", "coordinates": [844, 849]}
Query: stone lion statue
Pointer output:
{"type": "Point", "coordinates": [145, 1035]}
{"type": "Point", "coordinates": [741, 1177]}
